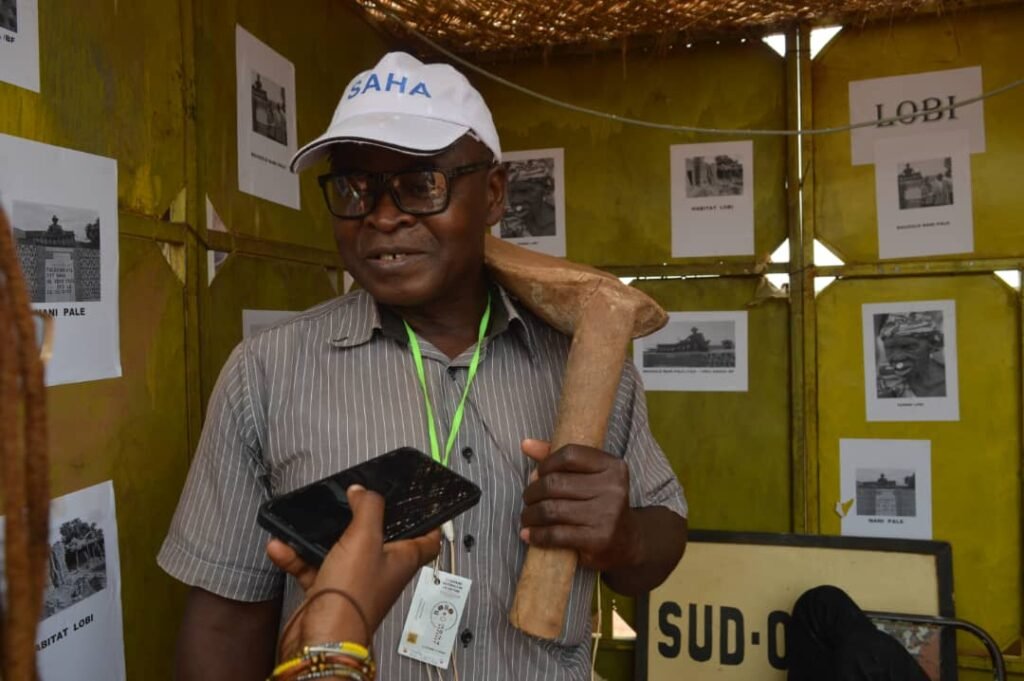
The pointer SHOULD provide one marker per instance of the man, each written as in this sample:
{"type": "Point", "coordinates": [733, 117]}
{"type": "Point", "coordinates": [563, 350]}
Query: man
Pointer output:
{"type": "Point", "coordinates": [415, 180]}
{"type": "Point", "coordinates": [529, 212]}
{"type": "Point", "coordinates": [908, 367]}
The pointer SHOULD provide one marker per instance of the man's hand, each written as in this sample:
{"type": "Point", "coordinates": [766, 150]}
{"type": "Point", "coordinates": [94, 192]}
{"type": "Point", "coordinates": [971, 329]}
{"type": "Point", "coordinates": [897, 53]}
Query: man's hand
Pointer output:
{"type": "Point", "coordinates": [361, 565]}
{"type": "Point", "coordinates": [578, 498]}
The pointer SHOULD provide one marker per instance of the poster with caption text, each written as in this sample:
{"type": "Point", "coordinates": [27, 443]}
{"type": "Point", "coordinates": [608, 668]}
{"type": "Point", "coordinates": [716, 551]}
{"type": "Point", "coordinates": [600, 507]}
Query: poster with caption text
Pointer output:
{"type": "Point", "coordinates": [923, 195]}
{"type": "Point", "coordinates": [695, 352]}
{"type": "Point", "coordinates": [535, 201]}
{"type": "Point", "coordinates": [910, 361]}
{"type": "Point", "coordinates": [712, 199]}
{"type": "Point", "coordinates": [62, 205]}
{"type": "Point", "coordinates": [266, 121]}
{"type": "Point", "coordinates": [80, 634]}
{"type": "Point", "coordinates": [19, 43]}
{"type": "Point", "coordinates": [885, 488]}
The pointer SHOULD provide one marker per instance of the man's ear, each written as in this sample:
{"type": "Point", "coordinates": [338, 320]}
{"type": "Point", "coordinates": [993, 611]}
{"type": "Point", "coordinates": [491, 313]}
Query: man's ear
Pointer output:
{"type": "Point", "coordinates": [497, 185]}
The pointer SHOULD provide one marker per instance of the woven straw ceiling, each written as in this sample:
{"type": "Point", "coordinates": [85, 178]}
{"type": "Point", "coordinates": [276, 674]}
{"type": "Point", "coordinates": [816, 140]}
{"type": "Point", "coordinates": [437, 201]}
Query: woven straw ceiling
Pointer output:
{"type": "Point", "coordinates": [512, 25]}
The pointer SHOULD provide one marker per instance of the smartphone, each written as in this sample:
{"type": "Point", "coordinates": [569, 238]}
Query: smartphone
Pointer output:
{"type": "Point", "coordinates": [419, 495]}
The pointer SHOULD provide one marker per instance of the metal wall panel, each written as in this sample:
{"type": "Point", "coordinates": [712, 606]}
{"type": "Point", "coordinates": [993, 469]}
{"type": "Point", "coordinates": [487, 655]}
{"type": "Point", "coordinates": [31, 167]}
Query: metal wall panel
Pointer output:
{"type": "Point", "coordinates": [617, 176]}
{"type": "Point", "coordinates": [845, 194]}
{"type": "Point", "coordinates": [976, 498]}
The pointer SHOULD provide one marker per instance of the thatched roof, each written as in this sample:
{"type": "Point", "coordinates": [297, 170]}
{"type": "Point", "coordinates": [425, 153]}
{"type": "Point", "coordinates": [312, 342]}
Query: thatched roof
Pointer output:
{"type": "Point", "coordinates": [476, 26]}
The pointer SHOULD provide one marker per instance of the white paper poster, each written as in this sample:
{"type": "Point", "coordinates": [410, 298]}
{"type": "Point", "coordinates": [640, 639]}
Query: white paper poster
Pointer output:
{"type": "Point", "coordinates": [696, 351]}
{"type": "Point", "coordinates": [910, 365]}
{"type": "Point", "coordinates": [923, 195]}
{"type": "Point", "coordinates": [254, 321]}
{"type": "Point", "coordinates": [63, 206]}
{"type": "Point", "coordinates": [266, 121]}
{"type": "Point", "coordinates": [80, 634]}
{"type": "Point", "coordinates": [19, 43]}
{"type": "Point", "coordinates": [535, 208]}
{"type": "Point", "coordinates": [915, 98]}
{"type": "Point", "coordinates": [886, 488]}
{"type": "Point", "coordinates": [712, 199]}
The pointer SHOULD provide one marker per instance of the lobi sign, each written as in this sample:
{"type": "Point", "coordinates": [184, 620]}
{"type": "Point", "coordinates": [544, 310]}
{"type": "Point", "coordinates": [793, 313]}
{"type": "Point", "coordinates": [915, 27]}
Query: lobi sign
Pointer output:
{"type": "Point", "coordinates": [916, 101]}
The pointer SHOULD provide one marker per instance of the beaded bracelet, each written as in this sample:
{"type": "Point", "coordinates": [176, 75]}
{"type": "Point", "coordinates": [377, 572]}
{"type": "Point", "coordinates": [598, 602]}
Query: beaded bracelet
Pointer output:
{"type": "Point", "coordinates": [341, 660]}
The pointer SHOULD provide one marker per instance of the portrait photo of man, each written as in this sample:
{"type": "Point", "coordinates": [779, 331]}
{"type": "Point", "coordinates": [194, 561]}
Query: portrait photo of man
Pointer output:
{"type": "Point", "coordinates": [909, 357]}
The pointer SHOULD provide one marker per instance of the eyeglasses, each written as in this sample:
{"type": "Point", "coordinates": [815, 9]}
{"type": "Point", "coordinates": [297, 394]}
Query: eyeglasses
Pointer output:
{"type": "Point", "coordinates": [427, 191]}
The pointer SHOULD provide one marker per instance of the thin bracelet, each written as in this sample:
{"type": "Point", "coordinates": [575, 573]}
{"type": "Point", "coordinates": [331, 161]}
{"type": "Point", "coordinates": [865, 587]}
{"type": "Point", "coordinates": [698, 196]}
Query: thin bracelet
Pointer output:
{"type": "Point", "coordinates": [312, 597]}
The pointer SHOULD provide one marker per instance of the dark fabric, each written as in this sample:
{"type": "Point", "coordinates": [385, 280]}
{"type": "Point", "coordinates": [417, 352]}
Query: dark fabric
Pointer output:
{"type": "Point", "coordinates": [829, 638]}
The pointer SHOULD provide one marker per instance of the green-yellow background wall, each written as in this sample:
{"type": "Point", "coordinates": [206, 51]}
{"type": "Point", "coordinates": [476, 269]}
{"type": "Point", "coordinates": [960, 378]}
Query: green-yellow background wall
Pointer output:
{"type": "Point", "coordinates": [152, 85]}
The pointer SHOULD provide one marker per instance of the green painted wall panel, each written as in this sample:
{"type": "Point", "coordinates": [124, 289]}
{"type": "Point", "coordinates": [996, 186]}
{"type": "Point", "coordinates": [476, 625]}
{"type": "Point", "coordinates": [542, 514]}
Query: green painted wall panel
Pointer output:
{"type": "Point", "coordinates": [132, 430]}
{"type": "Point", "coordinates": [731, 449]}
{"type": "Point", "coordinates": [845, 194]}
{"type": "Point", "coordinates": [255, 284]}
{"type": "Point", "coordinates": [617, 176]}
{"type": "Point", "coordinates": [976, 468]}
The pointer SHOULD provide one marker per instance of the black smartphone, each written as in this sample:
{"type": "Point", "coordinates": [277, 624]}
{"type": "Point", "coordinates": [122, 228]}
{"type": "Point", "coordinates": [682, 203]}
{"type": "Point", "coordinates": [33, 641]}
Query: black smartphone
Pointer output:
{"type": "Point", "coordinates": [419, 495]}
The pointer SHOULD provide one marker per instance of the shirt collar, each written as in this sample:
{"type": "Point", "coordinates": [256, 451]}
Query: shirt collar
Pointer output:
{"type": "Point", "coordinates": [363, 316]}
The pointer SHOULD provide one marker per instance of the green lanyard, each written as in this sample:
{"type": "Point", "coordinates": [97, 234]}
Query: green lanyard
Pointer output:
{"type": "Point", "coordinates": [417, 358]}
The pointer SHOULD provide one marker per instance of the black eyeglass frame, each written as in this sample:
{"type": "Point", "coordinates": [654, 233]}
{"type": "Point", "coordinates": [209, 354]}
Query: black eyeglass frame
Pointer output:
{"type": "Point", "coordinates": [382, 182]}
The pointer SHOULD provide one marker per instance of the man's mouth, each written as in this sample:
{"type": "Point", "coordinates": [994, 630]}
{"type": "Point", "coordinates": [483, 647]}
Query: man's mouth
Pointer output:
{"type": "Point", "coordinates": [391, 258]}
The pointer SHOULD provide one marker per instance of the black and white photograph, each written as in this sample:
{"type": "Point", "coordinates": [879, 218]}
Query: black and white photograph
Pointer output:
{"type": "Point", "coordinates": [886, 492]}
{"type": "Point", "coordinates": [269, 108]}
{"type": "Point", "coordinates": [266, 121]}
{"type": "Point", "coordinates": [885, 488]}
{"type": "Point", "coordinates": [78, 566]}
{"type": "Point", "coordinates": [720, 175]}
{"type": "Point", "coordinates": [530, 209]}
{"type": "Point", "coordinates": [923, 195]}
{"type": "Point", "coordinates": [59, 251]}
{"type": "Point", "coordinates": [19, 43]}
{"type": "Point", "coordinates": [925, 184]}
{"type": "Point", "coordinates": [910, 361]}
{"type": "Point", "coordinates": [535, 204]}
{"type": "Point", "coordinates": [64, 213]}
{"type": "Point", "coordinates": [704, 344]}
{"type": "Point", "coordinates": [80, 633]}
{"type": "Point", "coordinates": [712, 202]}
{"type": "Point", "coordinates": [9, 15]}
{"type": "Point", "coordinates": [695, 351]}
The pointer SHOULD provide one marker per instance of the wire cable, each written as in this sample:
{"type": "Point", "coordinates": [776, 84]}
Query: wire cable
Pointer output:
{"type": "Point", "coordinates": [627, 120]}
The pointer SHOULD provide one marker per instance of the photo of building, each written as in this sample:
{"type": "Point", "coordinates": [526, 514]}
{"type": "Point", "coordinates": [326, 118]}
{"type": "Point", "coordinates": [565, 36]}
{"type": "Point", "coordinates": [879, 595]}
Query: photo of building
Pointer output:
{"type": "Point", "coordinates": [59, 251]}
{"type": "Point", "coordinates": [890, 493]}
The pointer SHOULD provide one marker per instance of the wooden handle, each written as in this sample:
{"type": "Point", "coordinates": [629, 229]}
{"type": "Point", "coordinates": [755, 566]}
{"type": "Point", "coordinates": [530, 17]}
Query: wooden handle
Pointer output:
{"type": "Point", "coordinates": [592, 377]}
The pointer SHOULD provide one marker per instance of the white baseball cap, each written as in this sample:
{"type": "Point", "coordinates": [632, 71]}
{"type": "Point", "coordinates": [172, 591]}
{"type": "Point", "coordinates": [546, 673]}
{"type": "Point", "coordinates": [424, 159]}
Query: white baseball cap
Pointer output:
{"type": "Point", "coordinates": [405, 105]}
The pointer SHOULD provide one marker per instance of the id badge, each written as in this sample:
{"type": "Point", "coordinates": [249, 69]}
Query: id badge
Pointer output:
{"type": "Point", "coordinates": [433, 621]}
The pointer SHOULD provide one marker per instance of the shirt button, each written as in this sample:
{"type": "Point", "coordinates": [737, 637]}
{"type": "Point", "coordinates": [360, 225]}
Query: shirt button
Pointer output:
{"type": "Point", "coordinates": [466, 637]}
{"type": "Point", "coordinates": [469, 541]}
{"type": "Point", "coordinates": [467, 453]}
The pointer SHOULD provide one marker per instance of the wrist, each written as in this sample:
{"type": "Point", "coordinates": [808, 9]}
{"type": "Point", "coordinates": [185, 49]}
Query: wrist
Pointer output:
{"type": "Point", "coordinates": [333, 617]}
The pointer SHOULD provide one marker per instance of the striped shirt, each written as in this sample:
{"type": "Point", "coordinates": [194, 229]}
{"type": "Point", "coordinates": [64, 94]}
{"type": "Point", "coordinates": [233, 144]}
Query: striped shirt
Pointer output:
{"type": "Point", "coordinates": [336, 385]}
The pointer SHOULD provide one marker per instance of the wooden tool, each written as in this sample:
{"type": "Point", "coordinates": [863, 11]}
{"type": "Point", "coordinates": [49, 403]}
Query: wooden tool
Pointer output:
{"type": "Point", "coordinates": [602, 315]}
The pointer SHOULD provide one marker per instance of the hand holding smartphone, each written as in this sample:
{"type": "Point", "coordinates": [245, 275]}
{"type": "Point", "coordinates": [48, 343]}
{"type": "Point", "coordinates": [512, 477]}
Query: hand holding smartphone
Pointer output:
{"type": "Point", "coordinates": [419, 495]}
